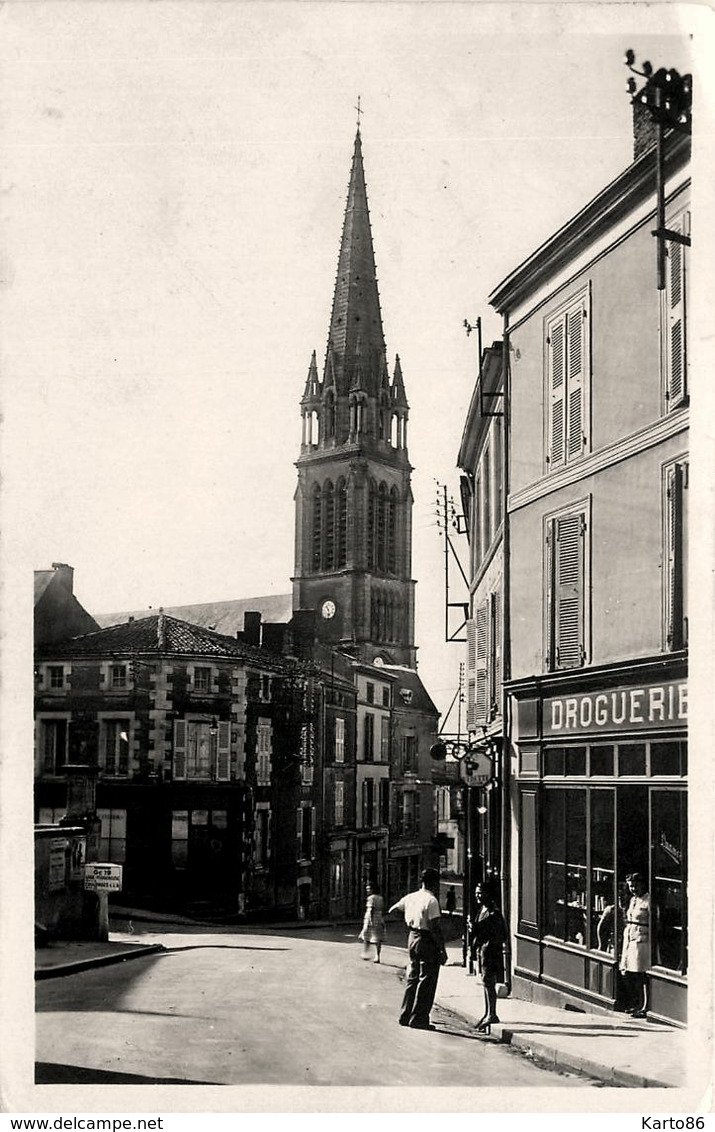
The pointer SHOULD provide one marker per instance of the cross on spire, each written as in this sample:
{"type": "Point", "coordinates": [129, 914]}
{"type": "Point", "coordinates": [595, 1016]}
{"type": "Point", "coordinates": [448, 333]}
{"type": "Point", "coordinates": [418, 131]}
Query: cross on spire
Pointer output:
{"type": "Point", "coordinates": [359, 112]}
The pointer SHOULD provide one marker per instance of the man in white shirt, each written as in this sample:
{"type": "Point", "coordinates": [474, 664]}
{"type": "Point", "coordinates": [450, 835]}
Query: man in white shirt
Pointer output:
{"type": "Point", "coordinates": [426, 950]}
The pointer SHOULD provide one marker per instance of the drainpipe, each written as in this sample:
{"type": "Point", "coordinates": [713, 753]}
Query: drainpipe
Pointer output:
{"type": "Point", "coordinates": [505, 756]}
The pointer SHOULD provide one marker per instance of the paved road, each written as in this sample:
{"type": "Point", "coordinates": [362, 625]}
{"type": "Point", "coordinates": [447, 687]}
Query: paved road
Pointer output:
{"type": "Point", "coordinates": [225, 1007]}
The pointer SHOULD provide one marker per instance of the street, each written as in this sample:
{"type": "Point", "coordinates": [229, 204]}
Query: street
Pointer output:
{"type": "Point", "coordinates": [237, 1007]}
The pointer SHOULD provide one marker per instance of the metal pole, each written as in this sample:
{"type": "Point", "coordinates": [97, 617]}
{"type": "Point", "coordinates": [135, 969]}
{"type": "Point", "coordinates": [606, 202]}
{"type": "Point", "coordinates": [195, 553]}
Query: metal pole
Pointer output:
{"type": "Point", "coordinates": [505, 753]}
{"type": "Point", "coordinates": [660, 191]}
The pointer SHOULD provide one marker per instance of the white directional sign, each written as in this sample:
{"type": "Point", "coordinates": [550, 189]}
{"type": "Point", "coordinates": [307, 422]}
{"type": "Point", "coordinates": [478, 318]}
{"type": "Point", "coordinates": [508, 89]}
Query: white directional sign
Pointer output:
{"type": "Point", "coordinates": [476, 768]}
{"type": "Point", "coordinates": [102, 878]}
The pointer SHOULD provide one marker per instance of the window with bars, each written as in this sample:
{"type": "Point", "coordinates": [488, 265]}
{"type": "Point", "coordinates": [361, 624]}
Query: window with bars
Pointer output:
{"type": "Point", "coordinates": [566, 605]}
{"type": "Point", "coordinates": [673, 318]}
{"type": "Point", "coordinates": [568, 377]}
{"type": "Point", "coordinates": [675, 556]}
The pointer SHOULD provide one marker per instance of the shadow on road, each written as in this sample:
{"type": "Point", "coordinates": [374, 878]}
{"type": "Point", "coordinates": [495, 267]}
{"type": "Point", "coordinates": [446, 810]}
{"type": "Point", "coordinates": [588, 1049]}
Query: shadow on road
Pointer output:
{"type": "Point", "coordinates": [49, 1073]}
{"type": "Point", "coordinates": [169, 950]}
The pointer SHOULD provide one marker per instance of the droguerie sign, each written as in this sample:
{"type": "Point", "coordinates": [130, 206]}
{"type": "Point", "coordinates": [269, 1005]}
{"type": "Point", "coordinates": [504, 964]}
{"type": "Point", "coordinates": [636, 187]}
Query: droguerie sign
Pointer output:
{"type": "Point", "coordinates": [618, 709]}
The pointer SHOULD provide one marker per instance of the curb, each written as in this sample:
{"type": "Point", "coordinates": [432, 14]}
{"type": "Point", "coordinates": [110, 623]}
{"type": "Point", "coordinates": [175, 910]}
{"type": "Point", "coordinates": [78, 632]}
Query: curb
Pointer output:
{"type": "Point", "coordinates": [95, 961]}
{"type": "Point", "coordinates": [610, 1075]}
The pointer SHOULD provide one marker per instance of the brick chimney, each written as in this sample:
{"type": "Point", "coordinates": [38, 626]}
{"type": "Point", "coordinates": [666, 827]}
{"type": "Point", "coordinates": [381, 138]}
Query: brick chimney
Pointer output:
{"type": "Point", "coordinates": [303, 632]}
{"type": "Point", "coordinates": [252, 628]}
{"type": "Point", "coordinates": [644, 130]}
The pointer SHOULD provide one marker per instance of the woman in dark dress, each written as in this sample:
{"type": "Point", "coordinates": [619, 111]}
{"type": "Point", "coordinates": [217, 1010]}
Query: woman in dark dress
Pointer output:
{"type": "Point", "coordinates": [487, 938]}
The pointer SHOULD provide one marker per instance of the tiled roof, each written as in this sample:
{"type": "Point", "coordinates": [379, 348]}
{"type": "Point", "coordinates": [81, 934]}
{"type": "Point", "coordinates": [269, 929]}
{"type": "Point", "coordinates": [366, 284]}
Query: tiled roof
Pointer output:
{"type": "Point", "coordinates": [163, 634]}
{"type": "Point", "coordinates": [42, 581]}
{"type": "Point", "coordinates": [223, 616]}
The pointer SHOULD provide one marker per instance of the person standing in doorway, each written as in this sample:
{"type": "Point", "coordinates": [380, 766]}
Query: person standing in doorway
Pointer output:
{"type": "Point", "coordinates": [373, 928]}
{"type": "Point", "coordinates": [425, 949]}
{"type": "Point", "coordinates": [487, 939]}
{"type": "Point", "coordinates": [635, 953]}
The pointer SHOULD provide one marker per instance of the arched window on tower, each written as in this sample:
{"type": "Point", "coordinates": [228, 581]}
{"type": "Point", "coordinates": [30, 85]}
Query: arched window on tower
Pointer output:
{"type": "Point", "coordinates": [382, 523]}
{"type": "Point", "coordinates": [360, 419]}
{"type": "Point", "coordinates": [329, 415]}
{"type": "Point", "coordinates": [316, 527]}
{"type": "Point", "coordinates": [372, 525]}
{"type": "Point", "coordinates": [392, 533]}
{"type": "Point", "coordinates": [341, 524]}
{"type": "Point", "coordinates": [328, 526]}
{"type": "Point", "coordinates": [395, 430]}
{"type": "Point", "coordinates": [311, 428]}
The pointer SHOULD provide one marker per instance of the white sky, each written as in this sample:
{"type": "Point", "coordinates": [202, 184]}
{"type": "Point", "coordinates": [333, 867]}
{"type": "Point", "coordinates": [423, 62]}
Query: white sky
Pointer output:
{"type": "Point", "coordinates": [173, 179]}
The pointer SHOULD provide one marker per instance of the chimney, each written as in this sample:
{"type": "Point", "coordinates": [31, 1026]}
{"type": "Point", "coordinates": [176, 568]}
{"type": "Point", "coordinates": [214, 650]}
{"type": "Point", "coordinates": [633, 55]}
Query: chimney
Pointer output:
{"type": "Point", "coordinates": [303, 627]}
{"type": "Point", "coordinates": [66, 573]}
{"type": "Point", "coordinates": [644, 130]}
{"type": "Point", "coordinates": [252, 628]}
{"type": "Point", "coordinates": [274, 636]}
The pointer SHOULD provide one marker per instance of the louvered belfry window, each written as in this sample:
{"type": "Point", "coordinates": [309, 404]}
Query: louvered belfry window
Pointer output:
{"type": "Point", "coordinates": [566, 541]}
{"type": "Point", "coordinates": [674, 319]}
{"type": "Point", "coordinates": [567, 352]}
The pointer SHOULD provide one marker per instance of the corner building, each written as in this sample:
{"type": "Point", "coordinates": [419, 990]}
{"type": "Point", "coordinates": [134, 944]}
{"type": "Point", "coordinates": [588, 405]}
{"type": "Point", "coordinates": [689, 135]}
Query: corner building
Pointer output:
{"type": "Point", "coordinates": [598, 517]}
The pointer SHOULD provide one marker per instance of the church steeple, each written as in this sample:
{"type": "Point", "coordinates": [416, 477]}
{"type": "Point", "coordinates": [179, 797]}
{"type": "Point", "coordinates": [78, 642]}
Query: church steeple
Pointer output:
{"type": "Point", "coordinates": [356, 344]}
{"type": "Point", "coordinates": [353, 549]}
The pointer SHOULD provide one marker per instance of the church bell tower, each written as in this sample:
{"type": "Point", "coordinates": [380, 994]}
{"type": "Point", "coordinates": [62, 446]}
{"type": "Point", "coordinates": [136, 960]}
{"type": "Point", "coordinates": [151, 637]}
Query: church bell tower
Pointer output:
{"type": "Point", "coordinates": [353, 530]}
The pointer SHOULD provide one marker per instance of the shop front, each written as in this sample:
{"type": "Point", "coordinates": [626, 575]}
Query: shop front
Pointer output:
{"type": "Point", "coordinates": [601, 792]}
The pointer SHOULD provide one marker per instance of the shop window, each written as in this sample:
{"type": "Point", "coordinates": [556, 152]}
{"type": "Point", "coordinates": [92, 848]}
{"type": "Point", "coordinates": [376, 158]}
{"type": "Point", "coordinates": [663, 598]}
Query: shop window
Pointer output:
{"type": "Point", "coordinates": [601, 761]}
{"type": "Point", "coordinates": [566, 583]}
{"type": "Point", "coordinates": [631, 759]}
{"type": "Point", "coordinates": [554, 761]}
{"type": "Point", "coordinates": [602, 871]}
{"type": "Point", "coordinates": [113, 835]}
{"type": "Point", "coordinates": [666, 759]}
{"type": "Point", "coordinates": [568, 379]}
{"type": "Point", "coordinates": [565, 761]}
{"type": "Point", "coordinates": [575, 761]}
{"type": "Point", "coordinates": [565, 866]}
{"type": "Point", "coordinates": [667, 890]}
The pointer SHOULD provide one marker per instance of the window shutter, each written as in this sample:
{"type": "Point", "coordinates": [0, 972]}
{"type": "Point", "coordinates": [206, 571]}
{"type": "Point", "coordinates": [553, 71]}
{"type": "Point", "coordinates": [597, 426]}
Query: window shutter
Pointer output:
{"type": "Point", "coordinates": [675, 318]}
{"type": "Point", "coordinates": [417, 801]}
{"type": "Point", "coordinates": [557, 387]}
{"type": "Point", "coordinates": [392, 803]}
{"type": "Point", "coordinates": [268, 850]}
{"type": "Point", "coordinates": [674, 558]}
{"type": "Point", "coordinates": [496, 654]}
{"type": "Point", "coordinates": [223, 753]}
{"type": "Point", "coordinates": [179, 770]}
{"type": "Point", "coordinates": [577, 332]}
{"type": "Point", "coordinates": [299, 833]}
{"type": "Point", "coordinates": [471, 674]}
{"type": "Point", "coordinates": [568, 590]}
{"type": "Point", "coordinates": [482, 661]}
{"type": "Point", "coordinates": [312, 832]}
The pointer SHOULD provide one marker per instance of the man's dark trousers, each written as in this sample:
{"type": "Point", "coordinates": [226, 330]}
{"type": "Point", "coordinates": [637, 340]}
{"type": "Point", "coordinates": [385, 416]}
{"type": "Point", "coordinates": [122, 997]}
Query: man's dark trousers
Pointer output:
{"type": "Point", "coordinates": [422, 976]}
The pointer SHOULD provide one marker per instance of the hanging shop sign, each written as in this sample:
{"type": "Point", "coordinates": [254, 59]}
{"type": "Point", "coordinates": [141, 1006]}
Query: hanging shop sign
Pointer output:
{"type": "Point", "coordinates": [476, 768]}
{"type": "Point", "coordinates": [618, 709]}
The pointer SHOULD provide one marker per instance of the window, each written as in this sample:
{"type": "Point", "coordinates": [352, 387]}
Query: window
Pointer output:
{"type": "Point", "coordinates": [567, 369]}
{"type": "Point", "coordinates": [118, 676]}
{"type": "Point", "coordinates": [339, 803]}
{"type": "Point", "coordinates": [484, 667]}
{"type": "Point", "coordinates": [565, 590]}
{"type": "Point", "coordinates": [409, 754]}
{"type": "Point", "coordinates": [53, 744]}
{"type": "Point", "coordinates": [368, 803]}
{"type": "Point", "coordinates": [339, 739]}
{"type": "Point", "coordinates": [408, 822]}
{"type": "Point", "coordinates": [264, 750]}
{"type": "Point", "coordinates": [201, 750]}
{"type": "Point", "coordinates": [114, 736]}
{"type": "Point", "coordinates": [337, 875]}
{"type": "Point", "coordinates": [341, 534]}
{"type": "Point", "coordinates": [565, 865]}
{"type": "Point", "coordinates": [384, 801]}
{"type": "Point", "coordinates": [675, 556]}
{"type": "Point", "coordinates": [307, 746]}
{"type": "Point", "coordinates": [370, 693]}
{"type": "Point", "coordinates": [113, 835]}
{"type": "Point", "coordinates": [56, 674]}
{"type": "Point", "coordinates": [316, 525]}
{"type": "Point", "coordinates": [385, 697]}
{"type": "Point", "coordinates": [202, 679]}
{"type": "Point", "coordinates": [262, 835]}
{"type": "Point", "coordinates": [384, 739]}
{"type": "Point", "coordinates": [50, 815]}
{"type": "Point", "coordinates": [443, 803]}
{"type": "Point", "coordinates": [306, 833]}
{"type": "Point", "coordinates": [369, 738]}
{"type": "Point", "coordinates": [669, 834]}
{"type": "Point", "coordinates": [179, 838]}
{"type": "Point", "coordinates": [673, 317]}
{"type": "Point", "coordinates": [601, 869]}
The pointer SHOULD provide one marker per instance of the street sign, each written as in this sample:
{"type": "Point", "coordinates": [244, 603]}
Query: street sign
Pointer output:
{"type": "Point", "coordinates": [475, 769]}
{"type": "Point", "coordinates": [102, 878]}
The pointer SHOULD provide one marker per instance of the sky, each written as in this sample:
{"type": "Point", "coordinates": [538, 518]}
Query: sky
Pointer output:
{"type": "Point", "coordinates": [172, 185]}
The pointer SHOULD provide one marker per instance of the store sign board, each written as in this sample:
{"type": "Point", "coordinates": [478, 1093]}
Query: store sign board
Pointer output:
{"type": "Point", "coordinates": [618, 709]}
{"type": "Point", "coordinates": [476, 769]}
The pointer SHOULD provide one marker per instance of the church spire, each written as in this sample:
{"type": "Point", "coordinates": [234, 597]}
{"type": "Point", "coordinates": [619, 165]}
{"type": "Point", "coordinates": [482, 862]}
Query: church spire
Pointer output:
{"type": "Point", "coordinates": [356, 342]}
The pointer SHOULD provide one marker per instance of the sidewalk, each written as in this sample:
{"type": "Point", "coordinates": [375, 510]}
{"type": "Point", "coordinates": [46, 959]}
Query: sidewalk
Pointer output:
{"type": "Point", "coordinates": [67, 956]}
{"type": "Point", "coordinates": [613, 1048]}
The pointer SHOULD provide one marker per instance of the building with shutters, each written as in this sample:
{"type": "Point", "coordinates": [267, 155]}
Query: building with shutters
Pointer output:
{"type": "Point", "coordinates": [597, 609]}
{"type": "Point", "coordinates": [197, 743]}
